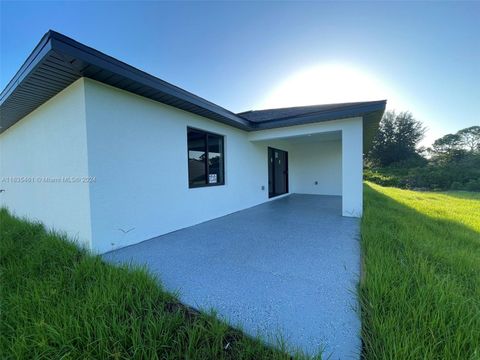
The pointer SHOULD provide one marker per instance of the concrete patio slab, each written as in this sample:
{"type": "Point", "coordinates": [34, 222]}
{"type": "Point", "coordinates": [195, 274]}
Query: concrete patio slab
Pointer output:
{"type": "Point", "coordinates": [286, 268]}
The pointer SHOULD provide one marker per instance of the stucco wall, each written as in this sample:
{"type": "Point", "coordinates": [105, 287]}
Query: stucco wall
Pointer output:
{"type": "Point", "coordinates": [319, 162]}
{"type": "Point", "coordinates": [352, 154]}
{"type": "Point", "coordinates": [137, 150]}
{"type": "Point", "coordinates": [42, 157]}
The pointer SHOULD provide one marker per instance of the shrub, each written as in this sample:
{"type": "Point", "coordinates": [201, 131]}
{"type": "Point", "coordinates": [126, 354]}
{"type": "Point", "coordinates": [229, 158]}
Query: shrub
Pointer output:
{"type": "Point", "coordinates": [473, 185]}
{"type": "Point", "coordinates": [456, 186]}
{"type": "Point", "coordinates": [463, 174]}
{"type": "Point", "coordinates": [381, 179]}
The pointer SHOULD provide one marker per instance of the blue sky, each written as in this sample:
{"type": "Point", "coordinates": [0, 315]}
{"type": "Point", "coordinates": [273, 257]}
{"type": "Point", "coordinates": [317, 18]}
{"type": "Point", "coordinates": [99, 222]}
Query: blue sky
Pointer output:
{"type": "Point", "coordinates": [421, 56]}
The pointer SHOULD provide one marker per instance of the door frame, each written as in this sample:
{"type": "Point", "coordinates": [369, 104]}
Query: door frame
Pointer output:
{"type": "Point", "coordinates": [274, 194]}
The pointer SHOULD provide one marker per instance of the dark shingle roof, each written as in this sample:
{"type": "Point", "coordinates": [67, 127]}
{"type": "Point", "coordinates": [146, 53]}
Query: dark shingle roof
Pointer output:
{"type": "Point", "coordinates": [258, 116]}
{"type": "Point", "coordinates": [371, 113]}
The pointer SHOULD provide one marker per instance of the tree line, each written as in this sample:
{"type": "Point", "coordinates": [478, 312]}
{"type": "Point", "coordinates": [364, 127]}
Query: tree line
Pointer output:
{"type": "Point", "coordinates": [396, 159]}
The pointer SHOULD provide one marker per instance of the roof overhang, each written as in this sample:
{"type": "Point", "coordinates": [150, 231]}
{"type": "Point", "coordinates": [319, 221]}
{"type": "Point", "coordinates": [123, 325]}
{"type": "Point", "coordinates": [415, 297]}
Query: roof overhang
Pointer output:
{"type": "Point", "coordinates": [371, 112]}
{"type": "Point", "coordinates": [57, 61]}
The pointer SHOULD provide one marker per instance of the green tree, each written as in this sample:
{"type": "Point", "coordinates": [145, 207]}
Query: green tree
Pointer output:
{"type": "Point", "coordinates": [470, 138]}
{"type": "Point", "coordinates": [454, 147]}
{"type": "Point", "coordinates": [447, 149]}
{"type": "Point", "coordinates": [397, 139]}
{"type": "Point", "coordinates": [447, 144]}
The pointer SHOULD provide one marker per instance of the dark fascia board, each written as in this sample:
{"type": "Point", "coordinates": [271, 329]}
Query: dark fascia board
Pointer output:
{"type": "Point", "coordinates": [79, 57]}
{"type": "Point", "coordinates": [352, 111]}
{"type": "Point", "coordinates": [40, 51]}
{"type": "Point", "coordinates": [371, 114]}
{"type": "Point", "coordinates": [80, 52]}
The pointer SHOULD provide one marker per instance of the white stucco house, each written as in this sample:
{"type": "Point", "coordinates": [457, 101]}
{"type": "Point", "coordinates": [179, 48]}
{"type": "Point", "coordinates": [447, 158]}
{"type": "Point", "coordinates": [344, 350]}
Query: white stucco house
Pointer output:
{"type": "Point", "coordinates": [113, 156]}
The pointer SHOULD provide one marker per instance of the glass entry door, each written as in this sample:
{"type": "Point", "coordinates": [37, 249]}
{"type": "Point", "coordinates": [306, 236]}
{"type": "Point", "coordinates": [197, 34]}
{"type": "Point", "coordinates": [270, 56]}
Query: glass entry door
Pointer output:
{"type": "Point", "coordinates": [277, 172]}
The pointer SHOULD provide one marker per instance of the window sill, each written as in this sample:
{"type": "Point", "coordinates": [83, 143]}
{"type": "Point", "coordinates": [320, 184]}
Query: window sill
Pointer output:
{"type": "Point", "coordinates": [204, 186]}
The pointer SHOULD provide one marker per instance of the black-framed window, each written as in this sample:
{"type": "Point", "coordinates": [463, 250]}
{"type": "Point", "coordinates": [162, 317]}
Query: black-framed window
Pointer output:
{"type": "Point", "coordinates": [205, 158]}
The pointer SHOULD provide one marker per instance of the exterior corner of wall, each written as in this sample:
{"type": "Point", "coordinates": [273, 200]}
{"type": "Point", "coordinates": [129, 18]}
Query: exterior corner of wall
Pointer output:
{"type": "Point", "coordinates": [88, 118]}
{"type": "Point", "coordinates": [48, 146]}
{"type": "Point", "coordinates": [84, 84]}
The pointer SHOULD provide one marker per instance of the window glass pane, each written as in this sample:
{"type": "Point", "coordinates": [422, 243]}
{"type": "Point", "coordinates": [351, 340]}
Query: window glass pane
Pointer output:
{"type": "Point", "coordinates": [215, 159]}
{"type": "Point", "coordinates": [196, 158]}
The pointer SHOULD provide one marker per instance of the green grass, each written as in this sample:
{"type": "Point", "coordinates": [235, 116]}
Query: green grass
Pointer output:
{"type": "Point", "coordinates": [420, 292]}
{"type": "Point", "coordinates": [420, 289]}
{"type": "Point", "coordinates": [59, 302]}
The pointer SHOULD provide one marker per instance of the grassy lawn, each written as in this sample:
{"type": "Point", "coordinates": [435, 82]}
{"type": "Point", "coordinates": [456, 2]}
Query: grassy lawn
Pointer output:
{"type": "Point", "coordinates": [420, 290]}
{"type": "Point", "coordinates": [58, 302]}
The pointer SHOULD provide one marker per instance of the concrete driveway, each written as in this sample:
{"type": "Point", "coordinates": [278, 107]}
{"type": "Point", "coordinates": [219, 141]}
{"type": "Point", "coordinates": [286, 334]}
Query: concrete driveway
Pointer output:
{"type": "Point", "coordinates": [285, 268]}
